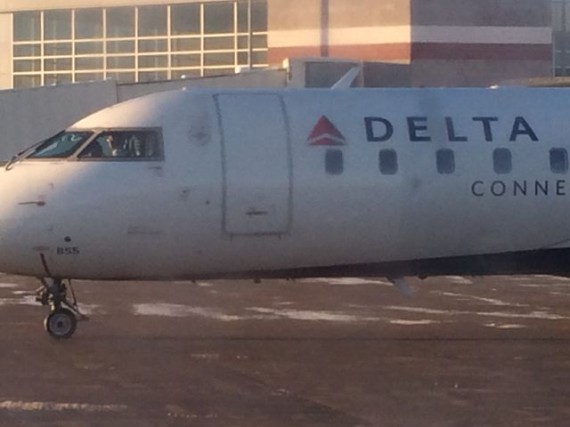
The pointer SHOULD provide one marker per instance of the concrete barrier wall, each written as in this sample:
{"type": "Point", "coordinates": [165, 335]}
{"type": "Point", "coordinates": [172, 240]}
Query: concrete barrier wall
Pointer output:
{"type": "Point", "coordinates": [28, 116]}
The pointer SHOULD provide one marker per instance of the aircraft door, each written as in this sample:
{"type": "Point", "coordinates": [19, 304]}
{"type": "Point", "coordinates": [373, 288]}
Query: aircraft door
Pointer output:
{"type": "Point", "coordinates": [256, 164]}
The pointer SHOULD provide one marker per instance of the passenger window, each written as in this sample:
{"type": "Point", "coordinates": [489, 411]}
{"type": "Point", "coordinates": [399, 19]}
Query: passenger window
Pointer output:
{"type": "Point", "coordinates": [388, 162]}
{"type": "Point", "coordinates": [502, 161]}
{"type": "Point", "coordinates": [334, 162]}
{"type": "Point", "coordinates": [559, 160]}
{"type": "Point", "coordinates": [445, 161]}
{"type": "Point", "coordinates": [60, 146]}
{"type": "Point", "coordinates": [125, 145]}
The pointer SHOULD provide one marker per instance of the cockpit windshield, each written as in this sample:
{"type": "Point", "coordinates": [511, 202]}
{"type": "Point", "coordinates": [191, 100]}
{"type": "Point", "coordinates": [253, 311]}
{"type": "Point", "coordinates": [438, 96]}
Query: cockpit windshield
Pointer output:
{"type": "Point", "coordinates": [124, 144]}
{"type": "Point", "coordinates": [119, 144]}
{"type": "Point", "coordinates": [60, 146]}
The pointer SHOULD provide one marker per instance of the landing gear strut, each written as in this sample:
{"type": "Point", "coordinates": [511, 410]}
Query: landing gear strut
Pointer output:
{"type": "Point", "coordinates": [64, 313]}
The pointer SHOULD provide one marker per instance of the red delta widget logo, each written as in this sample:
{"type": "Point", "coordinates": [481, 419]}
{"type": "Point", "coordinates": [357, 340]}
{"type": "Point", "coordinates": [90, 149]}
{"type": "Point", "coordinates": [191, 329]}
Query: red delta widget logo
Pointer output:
{"type": "Point", "coordinates": [325, 133]}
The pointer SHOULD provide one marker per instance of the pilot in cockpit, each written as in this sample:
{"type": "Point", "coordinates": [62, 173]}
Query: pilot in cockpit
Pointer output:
{"type": "Point", "coordinates": [122, 145]}
{"type": "Point", "coordinates": [136, 146]}
{"type": "Point", "coordinates": [117, 149]}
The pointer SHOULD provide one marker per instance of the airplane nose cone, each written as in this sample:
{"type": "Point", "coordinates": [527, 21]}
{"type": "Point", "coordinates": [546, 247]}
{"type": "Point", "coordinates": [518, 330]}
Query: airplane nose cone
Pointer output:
{"type": "Point", "coordinates": [21, 247]}
{"type": "Point", "coordinates": [8, 253]}
{"type": "Point", "coordinates": [19, 222]}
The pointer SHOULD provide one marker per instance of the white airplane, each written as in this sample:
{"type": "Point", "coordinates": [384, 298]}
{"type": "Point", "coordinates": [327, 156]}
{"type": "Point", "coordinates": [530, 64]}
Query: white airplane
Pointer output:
{"type": "Point", "coordinates": [292, 183]}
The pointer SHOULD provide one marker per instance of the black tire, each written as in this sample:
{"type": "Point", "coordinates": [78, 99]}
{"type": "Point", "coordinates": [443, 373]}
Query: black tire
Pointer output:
{"type": "Point", "coordinates": [61, 323]}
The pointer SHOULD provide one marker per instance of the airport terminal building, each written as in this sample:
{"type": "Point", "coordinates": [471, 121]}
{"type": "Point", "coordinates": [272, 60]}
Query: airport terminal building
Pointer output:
{"type": "Point", "coordinates": [438, 42]}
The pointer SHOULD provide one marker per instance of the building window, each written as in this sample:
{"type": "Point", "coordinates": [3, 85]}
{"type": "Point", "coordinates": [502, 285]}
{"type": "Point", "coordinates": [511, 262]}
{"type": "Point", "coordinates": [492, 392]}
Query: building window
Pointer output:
{"type": "Point", "coordinates": [120, 62]}
{"type": "Point", "coordinates": [153, 45]}
{"type": "Point", "coordinates": [121, 46]}
{"type": "Point", "coordinates": [88, 77]}
{"type": "Point", "coordinates": [120, 22]}
{"type": "Point", "coordinates": [502, 161]}
{"type": "Point", "coordinates": [388, 160]}
{"type": "Point", "coordinates": [88, 48]}
{"type": "Point", "coordinates": [193, 44]}
{"type": "Point", "coordinates": [558, 160]}
{"type": "Point", "coordinates": [186, 60]}
{"type": "Point", "coordinates": [27, 50]}
{"type": "Point", "coordinates": [152, 21]}
{"type": "Point", "coordinates": [445, 161]}
{"type": "Point", "coordinates": [57, 78]}
{"type": "Point", "coordinates": [258, 16]}
{"type": "Point", "coordinates": [185, 19]}
{"type": "Point", "coordinates": [28, 65]}
{"type": "Point", "coordinates": [27, 26]}
{"type": "Point", "coordinates": [561, 37]}
{"type": "Point", "coordinates": [218, 18]}
{"type": "Point", "coordinates": [122, 76]}
{"type": "Point", "coordinates": [90, 63]}
{"type": "Point", "coordinates": [57, 25]}
{"type": "Point", "coordinates": [58, 49]}
{"type": "Point", "coordinates": [88, 23]}
{"type": "Point", "coordinates": [57, 64]}
{"type": "Point", "coordinates": [153, 61]}
{"type": "Point", "coordinates": [334, 162]}
{"type": "Point", "coordinates": [27, 81]}
{"type": "Point", "coordinates": [137, 43]}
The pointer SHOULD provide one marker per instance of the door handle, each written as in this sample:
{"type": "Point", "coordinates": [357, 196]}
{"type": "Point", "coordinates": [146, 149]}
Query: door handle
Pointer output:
{"type": "Point", "coordinates": [35, 202]}
{"type": "Point", "coordinates": [255, 212]}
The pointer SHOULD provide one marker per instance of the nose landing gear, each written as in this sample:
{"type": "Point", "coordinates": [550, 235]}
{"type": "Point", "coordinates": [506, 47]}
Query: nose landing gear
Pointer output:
{"type": "Point", "coordinates": [64, 313]}
{"type": "Point", "coordinates": [60, 323]}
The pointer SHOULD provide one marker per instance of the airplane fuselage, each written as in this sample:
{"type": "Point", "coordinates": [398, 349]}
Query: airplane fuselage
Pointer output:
{"type": "Point", "coordinates": [301, 182]}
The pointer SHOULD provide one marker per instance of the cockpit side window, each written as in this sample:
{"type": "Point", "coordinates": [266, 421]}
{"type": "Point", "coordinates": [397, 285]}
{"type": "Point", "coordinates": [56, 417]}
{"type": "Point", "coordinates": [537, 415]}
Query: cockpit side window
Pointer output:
{"type": "Point", "coordinates": [60, 146]}
{"type": "Point", "coordinates": [125, 145]}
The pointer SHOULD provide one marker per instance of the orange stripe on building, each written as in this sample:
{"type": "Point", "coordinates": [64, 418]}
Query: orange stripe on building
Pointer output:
{"type": "Point", "coordinates": [398, 52]}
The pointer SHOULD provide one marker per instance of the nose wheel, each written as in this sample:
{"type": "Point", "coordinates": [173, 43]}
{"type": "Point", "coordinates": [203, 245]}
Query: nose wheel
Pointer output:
{"type": "Point", "coordinates": [61, 322]}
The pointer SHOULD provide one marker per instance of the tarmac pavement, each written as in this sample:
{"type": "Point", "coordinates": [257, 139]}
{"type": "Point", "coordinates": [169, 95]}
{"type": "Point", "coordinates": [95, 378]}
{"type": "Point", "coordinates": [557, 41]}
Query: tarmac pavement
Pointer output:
{"type": "Point", "coordinates": [461, 351]}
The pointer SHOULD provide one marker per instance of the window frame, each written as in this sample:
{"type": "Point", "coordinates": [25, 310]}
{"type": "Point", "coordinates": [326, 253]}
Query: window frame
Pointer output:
{"type": "Point", "coordinates": [101, 132]}
{"type": "Point", "coordinates": [95, 133]}
{"type": "Point", "coordinates": [29, 154]}
{"type": "Point", "coordinates": [220, 49]}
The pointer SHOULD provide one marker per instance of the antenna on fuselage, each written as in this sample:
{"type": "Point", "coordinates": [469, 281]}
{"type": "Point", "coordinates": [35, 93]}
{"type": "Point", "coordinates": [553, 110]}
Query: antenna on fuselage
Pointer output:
{"type": "Point", "coordinates": [348, 79]}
